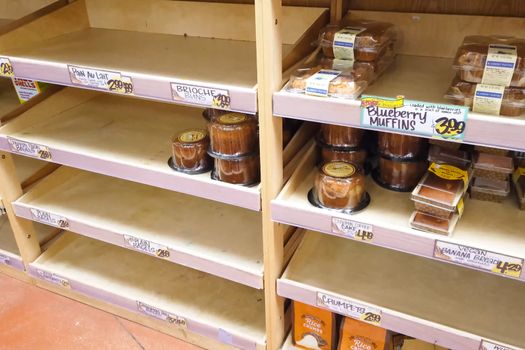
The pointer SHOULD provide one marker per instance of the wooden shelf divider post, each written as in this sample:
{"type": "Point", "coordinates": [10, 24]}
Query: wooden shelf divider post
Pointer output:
{"type": "Point", "coordinates": [269, 77]}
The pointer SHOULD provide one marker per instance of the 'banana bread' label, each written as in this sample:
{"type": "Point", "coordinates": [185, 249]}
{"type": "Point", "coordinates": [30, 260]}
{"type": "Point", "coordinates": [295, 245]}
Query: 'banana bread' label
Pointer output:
{"type": "Point", "coordinates": [488, 99]}
{"type": "Point", "coordinates": [344, 42]}
{"type": "Point", "coordinates": [478, 258]}
{"type": "Point", "coordinates": [500, 65]}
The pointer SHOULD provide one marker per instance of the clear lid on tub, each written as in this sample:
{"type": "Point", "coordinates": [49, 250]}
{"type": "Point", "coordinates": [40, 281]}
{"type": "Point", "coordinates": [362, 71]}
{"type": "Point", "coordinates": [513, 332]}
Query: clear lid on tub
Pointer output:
{"type": "Point", "coordinates": [439, 154]}
{"type": "Point", "coordinates": [438, 191]}
{"type": "Point", "coordinates": [490, 186]}
{"type": "Point", "coordinates": [343, 81]}
{"type": "Point", "coordinates": [493, 162]}
{"type": "Point", "coordinates": [431, 223]}
{"type": "Point", "coordinates": [366, 38]}
{"type": "Point", "coordinates": [473, 52]}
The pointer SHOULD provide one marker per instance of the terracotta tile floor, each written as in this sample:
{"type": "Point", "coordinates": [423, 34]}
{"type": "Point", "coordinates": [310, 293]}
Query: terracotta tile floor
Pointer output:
{"type": "Point", "coordinates": [32, 318]}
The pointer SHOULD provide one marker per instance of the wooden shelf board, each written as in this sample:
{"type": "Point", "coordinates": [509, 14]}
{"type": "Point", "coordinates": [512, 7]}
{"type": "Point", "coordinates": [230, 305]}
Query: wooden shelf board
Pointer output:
{"type": "Point", "coordinates": [125, 138]}
{"type": "Point", "coordinates": [164, 46]}
{"type": "Point", "coordinates": [209, 236]}
{"type": "Point", "coordinates": [11, 10]}
{"type": "Point", "coordinates": [211, 306]}
{"type": "Point", "coordinates": [438, 303]}
{"type": "Point", "coordinates": [484, 225]}
{"type": "Point", "coordinates": [417, 78]}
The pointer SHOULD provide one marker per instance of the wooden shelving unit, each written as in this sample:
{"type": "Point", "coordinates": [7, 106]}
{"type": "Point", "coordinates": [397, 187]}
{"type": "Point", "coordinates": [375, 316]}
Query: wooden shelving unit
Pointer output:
{"type": "Point", "coordinates": [211, 262]}
{"type": "Point", "coordinates": [90, 34]}
{"type": "Point", "coordinates": [182, 297]}
{"type": "Point", "coordinates": [9, 251]}
{"type": "Point", "coordinates": [212, 237]}
{"type": "Point", "coordinates": [415, 296]}
{"type": "Point", "coordinates": [388, 216]}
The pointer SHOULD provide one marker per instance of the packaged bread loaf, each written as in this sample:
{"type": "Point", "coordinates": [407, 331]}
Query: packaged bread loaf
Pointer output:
{"type": "Point", "coordinates": [313, 328]}
{"type": "Point", "coordinates": [345, 82]}
{"type": "Point", "coordinates": [476, 52]}
{"type": "Point", "coordinates": [507, 101]}
{"type": "Point", "coordinates": [361, 40]}
{"type": "Point", "coordinates": [492, 166]}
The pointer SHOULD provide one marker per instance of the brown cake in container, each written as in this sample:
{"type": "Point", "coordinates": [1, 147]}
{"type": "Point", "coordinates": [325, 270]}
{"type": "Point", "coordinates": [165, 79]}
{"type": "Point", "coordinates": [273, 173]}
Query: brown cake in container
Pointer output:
{"type": "Point", "coordinates": [340, 185]}
{"type": "Point", "coordinates": [369, 45]}
{"type": "Point", "coordinates": [341, 136]}
{"type": "Point", "coordinates": [233, 134]}
{"type": "Point", "coordinates": [430, 223]}
{"type": "Point", "coordinates": [462, 93]}
{"type": "Point", "coordinates": [471, 58]}
{"type": "Point", "coordinates": [400, 175]}
{"type": "Point", "coordinates": [241, 170]}
{"type": "Point", "coordinates": [401, 146]}
{"type": "Point", "coordinates": [357, 156]}
{"type": "Point", "coordinates": [189, 149]}
{"type": "Point", "coordinates": [489, 190]}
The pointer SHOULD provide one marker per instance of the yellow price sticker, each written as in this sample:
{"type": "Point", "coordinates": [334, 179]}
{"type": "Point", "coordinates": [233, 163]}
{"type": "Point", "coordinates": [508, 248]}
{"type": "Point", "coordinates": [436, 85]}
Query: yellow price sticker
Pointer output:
{"type": "Point", "coordinates": [449, 127]}
{"type": "Point", "coordinates": [517, 174]}
{"type": "Point", "coordinates": [122, 85]}
{"type": "Point", "coordinates": [371, 317]}
{"type": "Point", "coordinates": [6, 68]}
{"type": "Point", "coordinates": [508, 269]}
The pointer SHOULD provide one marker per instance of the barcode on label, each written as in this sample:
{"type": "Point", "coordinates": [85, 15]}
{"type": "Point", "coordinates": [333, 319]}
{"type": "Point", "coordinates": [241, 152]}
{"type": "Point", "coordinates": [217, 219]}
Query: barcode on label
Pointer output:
{"type": "Point", "coordinates": [486, 345]}
{"type": "Point", "coordinates": [52, 278]}
{"type": "Point", "coordinates": [5, 260]}
{"type": "Point", "coordinates": [29, 149]}
{"type": "Point", "coordinates": [352, 229]}
{"type": "Point", "coordinates": [161, 314]}
{"type": "Point", "coordinates": [349, 308]}
{"type": "Point", "coordinates": [49, 219]}
{"type": "Point", "coordinates": [147, 247]}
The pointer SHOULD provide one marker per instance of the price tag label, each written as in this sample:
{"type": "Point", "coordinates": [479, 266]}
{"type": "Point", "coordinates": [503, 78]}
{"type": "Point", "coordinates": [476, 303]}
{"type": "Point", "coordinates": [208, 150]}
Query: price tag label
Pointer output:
{"type": "Point", "coordinates": [101, 80]}
{"type": "Point", "coordinates": [349, 308]}
{"type": "Point", "coordinates": [161, 314]}
{"type": "Point", "coordinates": [147, 247]}
{"type": "Point", "coordinates": [29, 149]}
{"type": "Point", "coordinates": [49, 219]}
{"type": "Point", "coordinates": [200, 95]}
{"type": "Point", "coordinates": [5, 260]}
{"type": "Point", "coordinates": [478, 258]}
{"type": "Point", "coordinates": [52, 278]}
{"type": "Point", "coordinates": [439, 121]}
{"type": "Point", "coordinates": [6, 68]}
{"type": "Point", "coordinates": [352, 229]}
{"type": "Point", "coordinates": [26, 89]}
{"type": "Point", "coordinates": [486, 345]}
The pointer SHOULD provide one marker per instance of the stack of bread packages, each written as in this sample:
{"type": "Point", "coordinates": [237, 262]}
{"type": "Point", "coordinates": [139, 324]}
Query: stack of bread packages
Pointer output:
{"type": "Point", "coordinates": [492, 172]}
{"type": "Point", "coordinates": [402, 161]}
{"type": "Point", "coordinates": [490, 75]}
{"type": "Point", "coordinates": [229, 147]}
{"type": "Point", "coordinates": [352, 54]}
{"type": "Point", "coordinates": [439, 196]}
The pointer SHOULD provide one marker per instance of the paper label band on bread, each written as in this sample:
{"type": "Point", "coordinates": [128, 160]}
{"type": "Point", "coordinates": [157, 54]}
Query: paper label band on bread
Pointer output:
{"type": "Point", "coordinates": [488, 99]}
{"type": "Point", "coordinates": [500, 65]}
{"type": "Point", "coordinates": [344, 42]}
{"type": "Point", "coordinates": [319, 83]}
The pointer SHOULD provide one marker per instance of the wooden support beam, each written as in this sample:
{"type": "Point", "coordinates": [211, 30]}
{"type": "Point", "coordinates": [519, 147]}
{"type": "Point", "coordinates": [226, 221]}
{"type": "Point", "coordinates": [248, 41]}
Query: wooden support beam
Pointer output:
{"type": "Point", "coordinates": [269, 76]}
{"type": "Point", "coordinates": [336, 10]}
{"type": "Point", "coordinates": [10, 190]}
